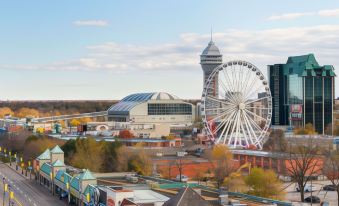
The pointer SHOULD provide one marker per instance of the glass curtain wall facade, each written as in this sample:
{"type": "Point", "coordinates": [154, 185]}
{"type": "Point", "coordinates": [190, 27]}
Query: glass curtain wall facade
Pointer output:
{"type": "Point", "coordinates": [302, 93]}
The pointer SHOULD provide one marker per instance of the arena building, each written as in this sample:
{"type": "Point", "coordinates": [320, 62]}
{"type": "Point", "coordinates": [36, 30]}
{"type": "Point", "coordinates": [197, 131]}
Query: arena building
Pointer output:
{"type": "Point", "coordinates": [155, 108]}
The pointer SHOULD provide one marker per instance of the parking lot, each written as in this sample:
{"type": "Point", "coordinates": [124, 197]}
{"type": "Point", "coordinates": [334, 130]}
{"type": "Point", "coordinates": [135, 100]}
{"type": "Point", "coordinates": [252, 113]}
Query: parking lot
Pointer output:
{"type": "Point", "coordinates": [329, 196]}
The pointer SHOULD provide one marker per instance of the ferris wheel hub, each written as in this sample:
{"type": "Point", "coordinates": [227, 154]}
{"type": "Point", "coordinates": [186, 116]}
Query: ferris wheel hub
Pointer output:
{"type": "Point", "coordinates": [241, 106]}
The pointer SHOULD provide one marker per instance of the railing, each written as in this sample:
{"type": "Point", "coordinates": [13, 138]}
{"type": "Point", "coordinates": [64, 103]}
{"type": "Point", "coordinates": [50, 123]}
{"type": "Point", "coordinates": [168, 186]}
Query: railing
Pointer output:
{"type": "Point", "coordinates": [249, 197]}
{"type": "Point", "coordinates": [66, 117]}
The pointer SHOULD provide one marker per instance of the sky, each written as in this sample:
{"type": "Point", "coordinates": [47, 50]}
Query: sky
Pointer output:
{"type": "Point", "coordinates": [105, 50]}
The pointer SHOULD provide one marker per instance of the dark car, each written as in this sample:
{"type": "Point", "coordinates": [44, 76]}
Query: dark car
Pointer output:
{"type": "Point", "coordinates": [329, 188]}
{"type": "Point", "coordinates": [198, 152]}
{"type": "Point", "coordinates": [313, 199]}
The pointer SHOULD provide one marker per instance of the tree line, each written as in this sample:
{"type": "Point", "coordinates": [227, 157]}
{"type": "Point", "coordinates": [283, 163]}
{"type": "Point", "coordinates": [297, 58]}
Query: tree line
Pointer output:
{"type": "Point", "coordinates": [49, 108]}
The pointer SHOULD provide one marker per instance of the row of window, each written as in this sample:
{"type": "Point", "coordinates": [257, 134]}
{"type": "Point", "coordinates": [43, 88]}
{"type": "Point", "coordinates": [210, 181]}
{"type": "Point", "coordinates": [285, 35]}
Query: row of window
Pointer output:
{"type": "Point", "coordinates": [169, 109]}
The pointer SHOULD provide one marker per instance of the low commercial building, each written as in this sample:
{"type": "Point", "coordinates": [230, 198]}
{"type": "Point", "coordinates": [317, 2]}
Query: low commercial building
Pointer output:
{"type": "Point", "coordinates": [51, 172]}
{"type": "Point", "coordinates": [281, 163]}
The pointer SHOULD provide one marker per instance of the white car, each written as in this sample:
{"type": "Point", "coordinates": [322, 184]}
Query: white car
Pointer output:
{"type": "Point", "coordinates": [184, 178]}
{"type": "Point", "coordinates": [307, 188]}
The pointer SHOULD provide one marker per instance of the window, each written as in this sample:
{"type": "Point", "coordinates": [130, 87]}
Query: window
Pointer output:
{"type": "Point", "coordinates": [170, 109]}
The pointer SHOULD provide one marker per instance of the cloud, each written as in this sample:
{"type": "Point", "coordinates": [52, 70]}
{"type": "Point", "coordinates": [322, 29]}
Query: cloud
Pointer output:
{"type": "Point", "coordinates": [261, 47]}
{"type": "Point", "coordinates": [291, 16]}
{"type": "Point", "coordinates": [98, 23]}
{"type": "Point", "coordinates": [333, 12]}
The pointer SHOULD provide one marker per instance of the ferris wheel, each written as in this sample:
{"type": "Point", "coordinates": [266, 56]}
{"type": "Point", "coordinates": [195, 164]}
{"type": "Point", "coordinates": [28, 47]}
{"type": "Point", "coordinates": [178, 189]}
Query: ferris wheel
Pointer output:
{"type": "Point", "coordinates": [236, 105]}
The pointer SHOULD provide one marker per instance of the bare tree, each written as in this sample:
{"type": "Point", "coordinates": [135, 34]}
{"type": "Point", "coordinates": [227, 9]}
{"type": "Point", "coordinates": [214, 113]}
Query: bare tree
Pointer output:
{"type": "Point", "coordinates": [331, 170]}
{"type": "Point", "coordinates": [180, 165]}
{"type": "Point", "coordinates": [304, 162]}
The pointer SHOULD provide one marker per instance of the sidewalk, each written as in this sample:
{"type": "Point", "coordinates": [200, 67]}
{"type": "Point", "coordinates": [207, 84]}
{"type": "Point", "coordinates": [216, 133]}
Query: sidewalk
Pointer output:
{"type": "Point", "coordinates": [19, 171]}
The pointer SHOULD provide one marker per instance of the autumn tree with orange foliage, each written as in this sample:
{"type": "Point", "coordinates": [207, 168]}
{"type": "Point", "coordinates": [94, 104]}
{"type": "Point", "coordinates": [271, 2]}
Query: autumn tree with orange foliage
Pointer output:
{"type": "Point", "coordinates": [307, 130]}
{"type": "Point", "coordinates": [136, 160]}
{"type": "Point", "coordinates": [25, 112]}
{"type": "Point", "coordinates": [5, 111]}
{"type": "Point", "coordinates": [34, 146]}
{"type": "Point", "coordinates": [75, 122]}
{"type": "Point", "coordinates": [221, 160]}
{"type": "Point", "coordinates": [124, 134]}
{"type": "Point", "coordinates": [88, 154]}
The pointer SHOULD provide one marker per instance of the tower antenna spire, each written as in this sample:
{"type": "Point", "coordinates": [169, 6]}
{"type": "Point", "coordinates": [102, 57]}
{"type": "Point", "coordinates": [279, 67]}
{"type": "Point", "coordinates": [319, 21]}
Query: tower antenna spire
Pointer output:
{"type": "Point", "coordinates": [211, 34]}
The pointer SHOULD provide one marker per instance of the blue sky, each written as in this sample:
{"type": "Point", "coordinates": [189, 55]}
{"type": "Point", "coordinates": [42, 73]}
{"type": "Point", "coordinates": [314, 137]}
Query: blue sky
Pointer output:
{"type": "Point", "coordinates": [109, 49]}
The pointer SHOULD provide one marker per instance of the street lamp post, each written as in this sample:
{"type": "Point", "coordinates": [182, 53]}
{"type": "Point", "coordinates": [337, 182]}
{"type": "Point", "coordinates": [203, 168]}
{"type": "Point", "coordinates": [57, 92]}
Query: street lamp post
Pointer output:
{"type": "Point", "coordinates": [52, 190]}
{"type": "Point", "coordinates": [10, 195]}
{"type": "Point", "coordinates": [10, 158]}
{"type": "Point", "coordinates": [5, 188]}
{"type": "Point", "coordinates": [30, 170]}
{"type": "Point", "coordinates": [16, 161]}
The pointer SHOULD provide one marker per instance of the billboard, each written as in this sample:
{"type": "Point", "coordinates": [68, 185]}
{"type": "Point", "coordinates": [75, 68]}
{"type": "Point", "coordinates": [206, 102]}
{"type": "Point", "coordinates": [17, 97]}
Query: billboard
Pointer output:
{"type": "Point", "coordinates": [296, 111]}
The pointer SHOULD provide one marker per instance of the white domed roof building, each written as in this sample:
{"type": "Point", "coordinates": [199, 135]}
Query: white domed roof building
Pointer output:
{"type": "Point", "coordinates": [154, 107]}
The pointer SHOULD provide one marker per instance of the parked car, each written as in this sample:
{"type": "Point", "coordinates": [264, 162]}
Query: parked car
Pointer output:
{"type": "Point", "coordinates": [184, 178]}
{"type": "Point", "coordinates": [313, 199]}
{"type": "Point", "coordinates": [329, 188]}
{"type": "Point", "coordinates": [198, 152]}
{"type": "Point", "coordinates": [63, 195]}
{"type": "Point", "coordinates": [157, 175]}
{"type": "Point", "coordinates": [307, 188]}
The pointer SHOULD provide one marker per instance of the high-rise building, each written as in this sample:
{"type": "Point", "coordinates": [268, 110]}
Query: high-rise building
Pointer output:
{"type": "Point", "coordinates": [210, 59]}
{"type": "Point", "coordinates": [302, 92]}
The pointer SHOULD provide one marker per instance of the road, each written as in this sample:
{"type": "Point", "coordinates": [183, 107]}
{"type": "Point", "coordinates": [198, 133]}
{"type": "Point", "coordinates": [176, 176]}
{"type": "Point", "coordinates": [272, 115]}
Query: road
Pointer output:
{"type": "Point", "coordinates": [27, 192]}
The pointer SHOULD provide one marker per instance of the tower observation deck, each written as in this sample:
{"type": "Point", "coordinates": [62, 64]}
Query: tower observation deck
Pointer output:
{"type": "Point", "coordinates": [210, 59]}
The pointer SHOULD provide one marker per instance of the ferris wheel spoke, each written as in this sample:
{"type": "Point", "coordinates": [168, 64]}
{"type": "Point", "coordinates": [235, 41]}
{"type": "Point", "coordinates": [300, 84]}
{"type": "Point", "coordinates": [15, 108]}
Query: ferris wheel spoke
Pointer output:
{"type": "Point", "coordinates": [259, 99]}
{"type": "Point", "coordinates": [232, 130]}
{"type": "Point", "coordinates": [220, 108]}
{"type": "Point", "coordinates": [220, 115]}
{"type": "Point", "coordinates": [256, 125]}
{"type": "Point", "coordinates": [237, 74]}
{"type": "Point", "coordinates": [254, 114]}
{"type": "Point", "coordinates": [262, 108]}
{"type": "Point", "coordinates": [228, 120]}
{"type": "Point", "coordinates": [233, 96]}
{"type": "Point", "coordinates": [223, 122]}
{"type": "Point", "coordinates": [254, 91]}
{"type": "Point", "coordinates": [243, 130]}
{"type": "Point", "coordinates": [237, 130]}
{"type": "Point", "coordinates": [247, 128]}
{"type": "Point", "coordinates": [249, 125]}
{"type": "Point", "coordinates": [228, 126]}
{"type": "Point", "coordinates": [228, 80]}
{"type": "Point", "coordinates": [254, 80]}
{"type": "Point", "coordinates": [218, 100]}
{"type": "Point", "coordinates": [226, 91]}
{"type": "Point", "coordinates": [241, 78]}
{"type": "Point", "coordinates": [248, 72]}
{"type": "Point", "coordinates": [234, 78]}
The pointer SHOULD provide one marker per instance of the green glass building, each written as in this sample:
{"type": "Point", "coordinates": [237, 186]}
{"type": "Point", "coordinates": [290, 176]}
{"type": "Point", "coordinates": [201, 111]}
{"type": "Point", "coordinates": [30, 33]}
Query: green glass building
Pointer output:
{"type": "Point", "coordinates": [302, 92]}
